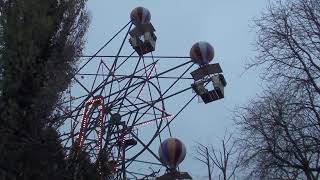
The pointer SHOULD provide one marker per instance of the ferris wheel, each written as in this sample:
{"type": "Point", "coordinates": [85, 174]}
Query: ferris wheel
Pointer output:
{"type": "Point", "coordinates": [119, 107]}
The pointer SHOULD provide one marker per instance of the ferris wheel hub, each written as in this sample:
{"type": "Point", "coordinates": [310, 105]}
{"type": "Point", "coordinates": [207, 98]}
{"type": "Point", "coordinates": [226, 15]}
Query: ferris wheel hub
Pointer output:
{"type": "Point", "coordinates": [115, 118]}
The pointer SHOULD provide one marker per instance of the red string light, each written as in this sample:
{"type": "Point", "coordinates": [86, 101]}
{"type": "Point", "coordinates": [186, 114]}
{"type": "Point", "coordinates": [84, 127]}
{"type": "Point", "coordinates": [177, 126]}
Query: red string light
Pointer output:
{"type": "Point", "coordinates": [98, 100]}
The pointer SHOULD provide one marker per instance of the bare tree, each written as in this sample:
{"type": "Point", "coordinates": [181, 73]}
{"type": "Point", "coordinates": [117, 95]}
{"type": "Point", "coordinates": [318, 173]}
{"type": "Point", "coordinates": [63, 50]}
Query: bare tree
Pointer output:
{"type": "Point", "coordinates": [280, 137]}
{"type": "Point", "coordinates": [227, 160]}
{"type": "Point", "coordinates": [202, 155]}
{"type": "Point", "coordinates": [280, 129]}
{"type": "Point", "coordinates": [288, 43]}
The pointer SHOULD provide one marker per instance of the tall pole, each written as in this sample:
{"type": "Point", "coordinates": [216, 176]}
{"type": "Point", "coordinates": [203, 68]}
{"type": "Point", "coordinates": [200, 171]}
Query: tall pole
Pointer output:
{"type": "Point", "coordinates": [124, 162]}
{"type": "Point", "coordinates": [208, 163]}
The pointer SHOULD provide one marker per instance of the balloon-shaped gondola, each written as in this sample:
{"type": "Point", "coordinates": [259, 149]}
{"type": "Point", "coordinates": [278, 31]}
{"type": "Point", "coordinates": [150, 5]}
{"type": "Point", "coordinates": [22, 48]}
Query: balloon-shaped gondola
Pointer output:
{"type": "Point", "coordinates": [140, 15]}
{"type": "Point", "coordinates": [172, 152]}
{"type": "Point", "coordinates": [202, 53]}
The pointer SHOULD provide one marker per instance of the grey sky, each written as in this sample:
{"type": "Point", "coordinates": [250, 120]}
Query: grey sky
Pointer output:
{"type": "Point", "coordinates": [179, 24]}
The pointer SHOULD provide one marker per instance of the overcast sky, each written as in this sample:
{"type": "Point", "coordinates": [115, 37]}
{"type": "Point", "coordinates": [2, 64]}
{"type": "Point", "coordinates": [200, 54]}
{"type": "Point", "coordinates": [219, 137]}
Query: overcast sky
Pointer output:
{"type": "Point", "coordinates": [226, 24]}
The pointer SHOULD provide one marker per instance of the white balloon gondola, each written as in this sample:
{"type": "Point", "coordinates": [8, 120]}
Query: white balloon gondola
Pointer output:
{"type": "Point", "coordinates": [142, 37]}
{"type": "Point", "coordinates": [202, 53]}
{"type": "Point", "coordinates": [172, 152]}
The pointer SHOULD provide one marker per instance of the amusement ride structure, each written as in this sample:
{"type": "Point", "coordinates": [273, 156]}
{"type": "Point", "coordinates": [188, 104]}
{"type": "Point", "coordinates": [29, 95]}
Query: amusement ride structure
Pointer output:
{"type": "Point", "coordinates": [116, 110]}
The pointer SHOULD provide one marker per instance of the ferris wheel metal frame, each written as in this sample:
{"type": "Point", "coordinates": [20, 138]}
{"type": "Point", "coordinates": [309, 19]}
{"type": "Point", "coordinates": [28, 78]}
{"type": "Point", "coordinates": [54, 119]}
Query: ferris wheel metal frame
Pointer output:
{"type": "Point", "coordinates": [97, 115]}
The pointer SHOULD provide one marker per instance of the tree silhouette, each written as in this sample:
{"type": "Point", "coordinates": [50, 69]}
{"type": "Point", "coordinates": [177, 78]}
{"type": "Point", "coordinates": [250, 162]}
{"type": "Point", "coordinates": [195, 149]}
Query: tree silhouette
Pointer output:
{"type": "Point", "coordinates": [280, 128]}
{"type": "Point", "coordinates": [40, 44]}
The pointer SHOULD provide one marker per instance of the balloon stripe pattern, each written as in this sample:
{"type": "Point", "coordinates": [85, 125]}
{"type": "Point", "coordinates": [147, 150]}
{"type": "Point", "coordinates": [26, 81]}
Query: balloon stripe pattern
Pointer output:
{"type": "Point", "coordinates": [140, 15]}
{"type": "Point", "coordinates": [172, 152]}
{"type": "Point", "coordinates": [202, 53]}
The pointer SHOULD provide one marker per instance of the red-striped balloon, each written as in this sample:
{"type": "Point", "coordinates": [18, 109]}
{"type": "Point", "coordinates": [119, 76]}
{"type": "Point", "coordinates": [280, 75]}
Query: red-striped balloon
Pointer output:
{"type": "Point", "coordinates": [172, 152]}
{"type": "Point", "coordinates": [140, 15]}
{"type": "Point", "coordinates": [202, 53]}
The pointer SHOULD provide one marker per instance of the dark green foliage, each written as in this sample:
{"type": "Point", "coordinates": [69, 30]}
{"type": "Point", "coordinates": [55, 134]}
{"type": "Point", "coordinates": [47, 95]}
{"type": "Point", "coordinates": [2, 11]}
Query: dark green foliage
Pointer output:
{"type": "Point", "coordinates": [40, 44]}
{"type": "Point", "coordinates": [42, 41]}
{"type": "Point", "coordinates": [104, 166]}
{"type": "Point", "coordinates": [79, 166]}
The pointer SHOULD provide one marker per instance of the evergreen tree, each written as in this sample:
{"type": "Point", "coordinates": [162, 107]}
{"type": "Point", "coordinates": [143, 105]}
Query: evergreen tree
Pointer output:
{"type": "Point", "coordinates": [79, 165]}
{"type": "Point", "coordinates": [40, 45]}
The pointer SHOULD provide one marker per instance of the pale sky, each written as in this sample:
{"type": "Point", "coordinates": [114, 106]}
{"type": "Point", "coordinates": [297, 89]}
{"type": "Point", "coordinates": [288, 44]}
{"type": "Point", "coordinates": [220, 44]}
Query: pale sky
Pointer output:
{"type": "Point", "coordinates": [226, 24]}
